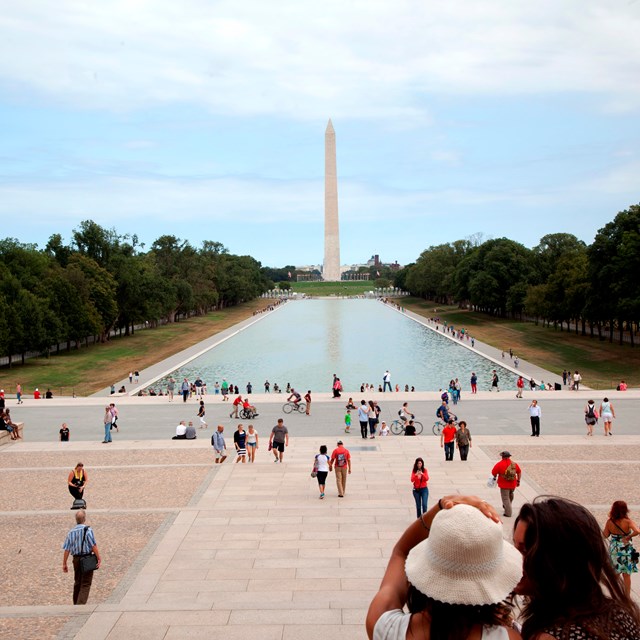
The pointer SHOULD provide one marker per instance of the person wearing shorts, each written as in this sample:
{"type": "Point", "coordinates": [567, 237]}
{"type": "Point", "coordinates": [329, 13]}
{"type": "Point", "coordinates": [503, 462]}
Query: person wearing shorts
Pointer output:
{"type": "Point", "coordinates": [252, 443]}
{"type": "Point", "coordinates": [219, 446]}
{"type": "Point", "coordinates": [278, 440]}
{"type": "Point", "coordinates": [322, 464]}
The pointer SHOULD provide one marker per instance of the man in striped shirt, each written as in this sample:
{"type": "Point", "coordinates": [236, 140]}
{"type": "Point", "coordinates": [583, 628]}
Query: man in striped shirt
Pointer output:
{"type": "Point", "coordinates": [74, 546]}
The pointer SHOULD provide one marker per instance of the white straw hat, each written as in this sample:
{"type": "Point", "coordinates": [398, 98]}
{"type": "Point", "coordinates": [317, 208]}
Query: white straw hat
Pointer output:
{"type": "Point", "coordinates": [465, 560]}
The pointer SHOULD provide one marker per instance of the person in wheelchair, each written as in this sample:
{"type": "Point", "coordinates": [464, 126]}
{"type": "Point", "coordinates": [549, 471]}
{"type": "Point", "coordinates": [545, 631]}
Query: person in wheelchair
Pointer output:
{"type": "Point", "coordinates": [249, 409]}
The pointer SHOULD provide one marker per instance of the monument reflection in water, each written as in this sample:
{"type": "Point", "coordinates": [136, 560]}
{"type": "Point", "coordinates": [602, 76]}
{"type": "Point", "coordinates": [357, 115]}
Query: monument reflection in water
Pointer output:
{"type": "Point", "coordinates": [306, 341]}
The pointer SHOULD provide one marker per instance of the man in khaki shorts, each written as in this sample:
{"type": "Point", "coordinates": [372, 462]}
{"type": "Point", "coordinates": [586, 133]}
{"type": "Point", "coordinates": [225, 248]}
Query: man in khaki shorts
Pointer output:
{"type": "Point", "coordinates": [219, 446]}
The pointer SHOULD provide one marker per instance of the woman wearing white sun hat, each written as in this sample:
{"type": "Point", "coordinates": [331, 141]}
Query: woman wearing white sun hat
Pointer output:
{"type": "Point", "coordinates": [453, 570]}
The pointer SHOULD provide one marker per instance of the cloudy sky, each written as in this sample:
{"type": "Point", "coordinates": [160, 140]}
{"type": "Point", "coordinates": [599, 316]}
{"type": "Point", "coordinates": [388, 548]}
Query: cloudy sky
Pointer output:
{"type": "Point", "coordinates": [206, 120]}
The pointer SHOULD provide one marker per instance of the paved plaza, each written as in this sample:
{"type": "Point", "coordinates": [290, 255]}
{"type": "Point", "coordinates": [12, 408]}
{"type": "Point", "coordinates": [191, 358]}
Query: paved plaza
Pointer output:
{"type": "Point", "coordinates": [196, 550]}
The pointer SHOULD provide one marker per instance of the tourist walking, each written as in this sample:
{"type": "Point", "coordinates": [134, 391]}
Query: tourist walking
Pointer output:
{"type": "Point", "coordinates": [373, 420]}
{"type": "Point", "coordinates": [607, 413]}
{"type": "Point", "coordinates": [278, 440]}
{"type": "Point", "coordinates": [454, 572]}
{"type": "Point", "coordinates": [171, 387]}
{"type": "Point", "coordinates": [321, 468]}
{"type": "Point", "coordinates": [590, 416]}
{"type": "Point", "coordinates": [508, 474]}
{"type": "Point", "coordinates": [219, 445]}
{"type": "Point", "coordinates": [240, 443]}
{"type": "Point", "coordinates": [520, 386]}
{"type": "Point", "coordinates": [107, 425]}
{"type": "Point", "coordinates": [201, 414]}
{"type": "Point", "coordinates": [252, 443]}
{"type": "Point", "coordinates": [447, 439]}
{"type": "Point", "coordinates": [363, 418]}
{"type": "Point", "coordinates": [535, 412]}
{"type": "Point", "coordinates": [474, 383]}
{"type": "Point", "coordinates": [307, 399]}
{"type": "Point", "coordinates": [19, 393]}
{"type": "Point", "coordinates": [114, 417]}
{"type": "Point", "coordinates": [621, 528]}
{"type": "Point", "coordinates": [463, 440]}
{"type": "Point", "coordinates": [577, 378]}
{"type": "Point", "coordinates": [340, 463]}
{"type": "Point", "coordinates": [386, 381]}
{"type": "Point", "coordinates": [347, 421]}
{"type": "Point", "coordinates": [419, 480]}
{"type": "Point", "coordinates": [185, 388]}
{"type": "Point", "coordinates": [495, 382]}
{"type": "Point", "coordinates": [80, 541]}
{"type": "Point", "coordinates": [77, 481]}
{"type": "Point", "coordinates": [267, 386]}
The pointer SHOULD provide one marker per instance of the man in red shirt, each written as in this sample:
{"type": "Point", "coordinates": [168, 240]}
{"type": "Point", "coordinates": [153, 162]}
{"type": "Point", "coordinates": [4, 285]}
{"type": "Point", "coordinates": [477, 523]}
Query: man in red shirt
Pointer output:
{"type": "Point", "coordinates": [447, 439]}
{"type": "Point", "coordinates": [520, 385]}
{"type": "Point", "coordinates": [508, 474]}
{"type": "Point", "coordinates": [236, 407]}
{"type": "Point", "coordinates": [341, 460]}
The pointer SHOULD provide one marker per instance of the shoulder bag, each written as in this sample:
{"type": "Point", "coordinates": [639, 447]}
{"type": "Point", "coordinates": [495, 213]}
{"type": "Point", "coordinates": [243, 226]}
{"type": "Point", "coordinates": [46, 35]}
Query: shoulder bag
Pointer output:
{"type": "Point", "coordinates": [88, 561]}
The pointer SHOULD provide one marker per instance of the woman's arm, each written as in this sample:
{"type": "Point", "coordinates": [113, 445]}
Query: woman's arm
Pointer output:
{"type": "Point", "coordinates": [606, 532]}
{"type": "Point", "coordinates": [394, 587]}
{"type": "Point", "coordinates": [70, 479]}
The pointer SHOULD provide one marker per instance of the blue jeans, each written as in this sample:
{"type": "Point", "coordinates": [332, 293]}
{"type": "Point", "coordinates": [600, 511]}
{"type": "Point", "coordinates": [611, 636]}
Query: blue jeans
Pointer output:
{"type": "Point", "coordinates": [421, 496]}
{"type": "Point", "coordinates": [448, 450]}
{"type": "Point", "coordinates": [385, 385]}
{"type": "Point", "coordinates": [107, 432]}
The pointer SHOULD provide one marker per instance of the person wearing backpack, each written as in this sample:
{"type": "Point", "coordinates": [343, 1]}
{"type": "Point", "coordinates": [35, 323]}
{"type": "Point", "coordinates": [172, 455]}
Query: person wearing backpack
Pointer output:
{"type": "Point", "coordinates": [590, 416]}
{"type": "Point", "coordinates": [341, 463]}
{"type": "Point", "coordinates": [508, 474]}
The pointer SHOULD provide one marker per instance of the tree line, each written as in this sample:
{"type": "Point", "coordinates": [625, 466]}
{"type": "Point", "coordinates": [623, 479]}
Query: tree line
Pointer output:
{"type": "Point", "coordinates": [101, 281]}
{"type": "Point", "coordinates": [562, 281]}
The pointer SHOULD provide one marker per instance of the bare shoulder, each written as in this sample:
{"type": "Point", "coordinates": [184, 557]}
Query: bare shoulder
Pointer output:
{"type": "Point", "coordinates": [513, 634]}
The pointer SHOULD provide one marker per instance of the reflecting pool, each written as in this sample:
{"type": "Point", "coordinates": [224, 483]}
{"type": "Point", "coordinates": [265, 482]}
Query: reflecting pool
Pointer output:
{"type": "Point", "coordinates": [306, 341]}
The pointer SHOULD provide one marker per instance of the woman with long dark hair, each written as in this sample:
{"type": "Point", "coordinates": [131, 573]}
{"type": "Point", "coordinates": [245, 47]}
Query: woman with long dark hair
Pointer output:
{"type": "Point", "coordinates": [622, 529]}
{"type": "Point", "coordinates": [570, 587]}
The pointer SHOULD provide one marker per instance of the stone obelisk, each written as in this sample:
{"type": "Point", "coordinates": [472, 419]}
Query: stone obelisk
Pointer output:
{"type": "Point", "coordinates": [331, 267]}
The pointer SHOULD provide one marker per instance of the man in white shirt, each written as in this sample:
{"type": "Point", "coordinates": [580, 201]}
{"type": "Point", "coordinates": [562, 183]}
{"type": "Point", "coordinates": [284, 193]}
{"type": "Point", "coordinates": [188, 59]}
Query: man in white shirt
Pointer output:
{"type": "Point", "coordinates": [181, 431]}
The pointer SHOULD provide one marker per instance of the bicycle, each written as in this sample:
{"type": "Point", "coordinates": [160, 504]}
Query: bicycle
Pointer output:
{"type": "Point", "coordinates": [397, 427]}
{"type": "Point", "coordinates": [288, 407]}
{"type": "Point", "coordinates": [437, 428]}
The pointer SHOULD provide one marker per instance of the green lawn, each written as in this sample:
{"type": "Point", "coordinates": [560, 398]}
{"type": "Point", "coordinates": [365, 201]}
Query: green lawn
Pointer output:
{"type": "Point", "coordinates": [343, 288]}
{"type": "Point", "coordinates": [601, 364]}
{"type": "Point", "coordinates": [87, 370]}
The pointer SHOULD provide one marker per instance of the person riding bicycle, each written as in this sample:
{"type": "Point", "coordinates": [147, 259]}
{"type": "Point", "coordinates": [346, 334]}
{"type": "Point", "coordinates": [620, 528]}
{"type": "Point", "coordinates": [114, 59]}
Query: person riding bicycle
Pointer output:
{"type": "Point", "coordinates": [405, 414]}
{"type": "Point", "coordinates": [296, 397]}
{"type": "Point", "coordinates": [444, 414]}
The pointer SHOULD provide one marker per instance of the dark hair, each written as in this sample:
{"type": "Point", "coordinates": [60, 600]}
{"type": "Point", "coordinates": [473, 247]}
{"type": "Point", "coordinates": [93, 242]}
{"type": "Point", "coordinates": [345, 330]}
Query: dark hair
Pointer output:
{"type": "Point", "coordinates": [462, 422]}
{"type": "Point", "coordinates": [563, 591]}
{"type": "Point", "coordinates": [455, 621]}
{"type": "Point", "coordinates": [323, 449]}
{"type": "Point", "coordinates": [415, 464]}
{"type": "Point", "coordinates": [619, 510]}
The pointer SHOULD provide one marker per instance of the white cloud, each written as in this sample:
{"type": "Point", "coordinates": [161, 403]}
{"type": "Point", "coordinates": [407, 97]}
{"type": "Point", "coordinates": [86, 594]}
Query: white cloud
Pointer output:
{"type": "Point", "coordinates": [306, 59]}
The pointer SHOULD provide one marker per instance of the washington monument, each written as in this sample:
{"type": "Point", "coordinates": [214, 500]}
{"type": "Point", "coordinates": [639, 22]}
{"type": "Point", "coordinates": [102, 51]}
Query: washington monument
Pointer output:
{"type": "Point", "coordinates": [331, 267]}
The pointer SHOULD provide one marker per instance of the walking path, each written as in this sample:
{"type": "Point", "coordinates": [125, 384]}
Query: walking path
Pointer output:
{"type": "Point", "coordinates": [195, 550]}
{"type": "Point", "coordinates": [192, 550]}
